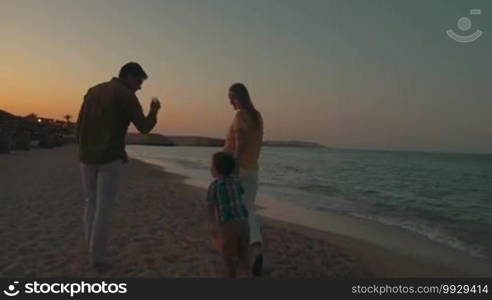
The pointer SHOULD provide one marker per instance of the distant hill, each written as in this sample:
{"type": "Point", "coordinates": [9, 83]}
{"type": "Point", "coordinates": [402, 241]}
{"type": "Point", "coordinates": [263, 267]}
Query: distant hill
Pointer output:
{"type": "Point", "coordinates": [6, 116]}
{"type": "Point", "coordinates": [300, 144]}
{"type": "Point", "coordinates": [171, 140]}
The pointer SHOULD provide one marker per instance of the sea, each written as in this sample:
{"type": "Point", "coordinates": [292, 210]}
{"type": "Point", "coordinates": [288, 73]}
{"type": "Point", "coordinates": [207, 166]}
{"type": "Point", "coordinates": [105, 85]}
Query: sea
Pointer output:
{"type": "Point", "coordinates": [446, 197]}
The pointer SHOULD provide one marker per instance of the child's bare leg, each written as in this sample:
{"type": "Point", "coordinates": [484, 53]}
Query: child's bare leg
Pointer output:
{"type": "Point", "coordinates": [244, 248]}
{"type": "Point", "coordinates": [245, 255]}
{"type": "Point", "coordinates": [229, 266]}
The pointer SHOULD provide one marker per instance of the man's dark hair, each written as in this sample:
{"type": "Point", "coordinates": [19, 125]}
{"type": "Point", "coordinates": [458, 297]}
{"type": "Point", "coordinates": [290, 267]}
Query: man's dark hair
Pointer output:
{"type": "Point", "coordinates": [224, 163]}
{"type": "Point", "coordinates": [132, 69]}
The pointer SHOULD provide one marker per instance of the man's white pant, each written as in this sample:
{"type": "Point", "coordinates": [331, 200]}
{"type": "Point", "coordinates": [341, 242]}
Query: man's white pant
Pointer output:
{"type": "Point", "coordinates": [249, 181]}
{"type": "Point", "coordinates": [101, 183]}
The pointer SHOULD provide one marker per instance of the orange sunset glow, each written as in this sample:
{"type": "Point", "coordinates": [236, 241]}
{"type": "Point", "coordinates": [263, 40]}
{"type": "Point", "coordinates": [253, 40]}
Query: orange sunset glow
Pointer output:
{"type": "Point", "coordinates": [349, 88]}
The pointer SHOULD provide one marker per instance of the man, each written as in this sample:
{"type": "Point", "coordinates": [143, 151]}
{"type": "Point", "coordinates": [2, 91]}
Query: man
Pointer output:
{"type": "Point", "coordinates": [103, 121]}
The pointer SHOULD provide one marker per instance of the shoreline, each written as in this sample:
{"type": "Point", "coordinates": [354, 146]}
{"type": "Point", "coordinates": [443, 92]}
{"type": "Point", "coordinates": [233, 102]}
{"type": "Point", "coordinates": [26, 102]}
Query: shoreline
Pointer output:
{"type": "Point", "coordinates": [419, 255]}
{"type": "Point", "coordinates": [388, 258]}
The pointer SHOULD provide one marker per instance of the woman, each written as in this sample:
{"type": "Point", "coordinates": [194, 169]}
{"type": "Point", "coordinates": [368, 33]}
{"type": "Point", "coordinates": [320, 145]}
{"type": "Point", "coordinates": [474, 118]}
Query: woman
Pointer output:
{"type": "Point", "coordinates": [244, 141]}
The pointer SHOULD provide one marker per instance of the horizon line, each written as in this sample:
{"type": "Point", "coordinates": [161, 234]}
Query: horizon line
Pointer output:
{"type": "Point", "coordinates": [336, 147]}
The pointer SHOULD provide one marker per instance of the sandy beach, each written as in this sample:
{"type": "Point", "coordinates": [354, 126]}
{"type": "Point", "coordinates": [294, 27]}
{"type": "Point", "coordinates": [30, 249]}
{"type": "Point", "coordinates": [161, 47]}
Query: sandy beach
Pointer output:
{"type": "Point", "coordinates": [159, 229]}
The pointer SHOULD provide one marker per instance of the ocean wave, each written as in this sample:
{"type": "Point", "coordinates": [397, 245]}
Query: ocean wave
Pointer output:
{"type": "Point", "coordinates": [370, 192]}
{"type": "Point", "coordinates": [323, 189]}
{"type": "Point", "coordinates": [432, 232]}
{"type": "Point", "coordinates": [192, 164]}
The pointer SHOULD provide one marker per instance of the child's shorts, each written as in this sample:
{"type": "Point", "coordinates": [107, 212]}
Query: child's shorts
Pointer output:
{"type": "Point", "coordinates": [233, 238]}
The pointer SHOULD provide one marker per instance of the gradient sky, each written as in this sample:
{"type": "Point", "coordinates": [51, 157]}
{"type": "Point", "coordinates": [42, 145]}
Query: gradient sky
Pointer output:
{"type": "Point", "coordinates": [355, 74]}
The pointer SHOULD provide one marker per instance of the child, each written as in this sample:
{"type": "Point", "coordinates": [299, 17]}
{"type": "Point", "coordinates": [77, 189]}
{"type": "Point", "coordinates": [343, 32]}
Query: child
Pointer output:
{"type": "Point", "coordinates": [228, 215]}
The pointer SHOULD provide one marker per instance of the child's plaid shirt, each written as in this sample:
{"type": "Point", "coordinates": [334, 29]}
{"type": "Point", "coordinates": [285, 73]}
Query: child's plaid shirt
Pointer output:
{"type": "Point", "coordinates": [227, 195]}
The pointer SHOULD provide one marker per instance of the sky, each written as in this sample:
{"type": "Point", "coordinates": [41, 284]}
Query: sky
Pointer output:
{"type": "Point", "coordinates": [365, 74]}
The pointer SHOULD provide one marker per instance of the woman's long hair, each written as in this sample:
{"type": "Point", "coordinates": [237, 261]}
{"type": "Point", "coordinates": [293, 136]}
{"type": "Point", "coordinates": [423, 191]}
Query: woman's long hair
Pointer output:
{"type": "Point", "coordinates": [242, 96]}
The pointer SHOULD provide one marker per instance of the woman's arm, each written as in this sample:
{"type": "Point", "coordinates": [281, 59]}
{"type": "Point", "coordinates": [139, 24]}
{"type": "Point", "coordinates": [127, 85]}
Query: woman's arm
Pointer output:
{"type": "Point", "coordinates": [240, 127]}
{"type": "Point", "coordinates": [229, 140]}
{"type": "Point", "coordinates": [240, 141]}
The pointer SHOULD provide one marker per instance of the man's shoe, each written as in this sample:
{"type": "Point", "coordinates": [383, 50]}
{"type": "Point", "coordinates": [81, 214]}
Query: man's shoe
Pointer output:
{"type": "Point", "coordinates": [257, 265]}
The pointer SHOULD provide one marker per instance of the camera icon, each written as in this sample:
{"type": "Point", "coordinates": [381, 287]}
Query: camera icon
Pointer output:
{"type": "Point", "coordinates": [11, 291]}
{"type": "Point", "coordinates": [464, 24]}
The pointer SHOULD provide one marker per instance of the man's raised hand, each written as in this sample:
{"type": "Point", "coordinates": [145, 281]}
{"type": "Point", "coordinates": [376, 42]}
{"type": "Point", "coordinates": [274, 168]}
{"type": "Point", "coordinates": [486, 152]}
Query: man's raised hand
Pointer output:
{"type": "Point", "coordinates": [155, 104]}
